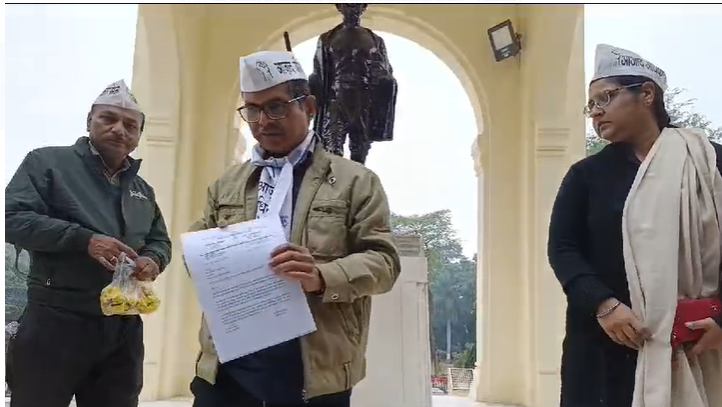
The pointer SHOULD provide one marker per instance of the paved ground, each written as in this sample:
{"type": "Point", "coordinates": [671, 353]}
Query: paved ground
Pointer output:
{"type": "Point", "coordinates": [437, 401]}
{"type": "Point", "coordinates": [454, 401]}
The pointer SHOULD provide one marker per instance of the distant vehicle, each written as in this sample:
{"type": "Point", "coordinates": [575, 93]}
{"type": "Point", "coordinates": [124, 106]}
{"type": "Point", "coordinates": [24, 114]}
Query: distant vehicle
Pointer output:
{"type": "Point", "coordinates": [439, 384]}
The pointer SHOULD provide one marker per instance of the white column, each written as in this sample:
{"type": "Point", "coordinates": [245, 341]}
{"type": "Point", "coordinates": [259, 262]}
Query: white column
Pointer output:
{"type": "Point", "coordinates": [547, 301]}
{"type": "Point", "coordinates": [499, 376]}
{"type": "Point", "coordinates": [159, 169]}
{"type": "Point", "coordinates": [479, 157]}
{"type": "Point", "coordinates": [398, 366]}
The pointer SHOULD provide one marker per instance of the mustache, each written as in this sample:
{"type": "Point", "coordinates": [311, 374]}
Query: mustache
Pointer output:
{"type": "Point", "coordinates": [272, 131]}
{"type": "Point", "coordinates": [116, 138]}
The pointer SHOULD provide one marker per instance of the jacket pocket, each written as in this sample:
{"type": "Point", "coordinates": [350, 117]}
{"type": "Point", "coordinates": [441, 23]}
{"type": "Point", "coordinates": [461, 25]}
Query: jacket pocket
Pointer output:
{"type": "Point", "coordinates": [350, 322]}
{"type": "Point", "coordinates": [362, 311]}
{"type": "Point", "coordinates": [327, 231]}
{"type": "Point", "coordinates": [230, 214]}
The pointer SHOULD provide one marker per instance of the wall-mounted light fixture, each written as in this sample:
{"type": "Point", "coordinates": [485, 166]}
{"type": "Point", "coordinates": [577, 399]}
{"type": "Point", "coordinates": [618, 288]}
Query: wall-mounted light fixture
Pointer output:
{"type": "Point", "coordinates": [504, 41]}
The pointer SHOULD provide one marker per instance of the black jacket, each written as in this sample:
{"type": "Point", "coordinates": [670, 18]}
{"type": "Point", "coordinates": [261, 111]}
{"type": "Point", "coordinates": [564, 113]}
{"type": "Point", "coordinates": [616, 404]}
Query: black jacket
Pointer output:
{"type": "Point", "coordinates": [58, 198]}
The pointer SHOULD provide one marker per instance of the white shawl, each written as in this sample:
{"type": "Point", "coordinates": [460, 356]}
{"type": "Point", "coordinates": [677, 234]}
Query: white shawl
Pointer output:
{"type": "Point", "coordinates": [672, 245]}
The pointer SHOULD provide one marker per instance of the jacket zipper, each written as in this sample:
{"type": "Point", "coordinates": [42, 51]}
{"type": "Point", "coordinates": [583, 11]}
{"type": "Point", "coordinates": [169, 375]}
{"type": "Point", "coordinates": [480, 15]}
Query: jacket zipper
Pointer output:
{"type": "Point", "coordinates": [347, 371]}
{"type": "Point", "coordinates": [124, 187]}
{"type": "Point", "coordinates": [304, 392]}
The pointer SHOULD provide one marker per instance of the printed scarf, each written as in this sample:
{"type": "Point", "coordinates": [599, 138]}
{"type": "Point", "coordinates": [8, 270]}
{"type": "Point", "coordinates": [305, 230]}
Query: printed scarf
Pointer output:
{"type": "Point", "coordinates": [277, 175]}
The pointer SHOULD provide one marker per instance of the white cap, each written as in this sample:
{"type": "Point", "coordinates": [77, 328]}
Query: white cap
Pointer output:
{"type": "Point", "coordinates": [266, 69]}
{"type": "Point", "coordinates": [612, 61]}
{"type": "Point", "coordinates": [118, 94]}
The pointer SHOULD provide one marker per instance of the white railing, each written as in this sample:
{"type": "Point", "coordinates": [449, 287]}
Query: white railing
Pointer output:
{"type": "Point", "coordinates": [460, 379]}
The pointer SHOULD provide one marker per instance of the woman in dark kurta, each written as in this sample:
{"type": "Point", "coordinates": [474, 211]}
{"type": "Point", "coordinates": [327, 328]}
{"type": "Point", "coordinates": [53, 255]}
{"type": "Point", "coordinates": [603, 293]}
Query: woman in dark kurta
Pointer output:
{"type": "Point", "coordinates": [585, 242]}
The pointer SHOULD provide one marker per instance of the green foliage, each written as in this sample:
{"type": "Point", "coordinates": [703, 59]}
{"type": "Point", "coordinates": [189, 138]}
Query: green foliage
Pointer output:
{"type": "Point", "coordinates": [594, 144]}
{"type": "Point", "coordinates": [438, 235]}
{"type": "Point", "coordinates": [682, 114]}
{"type": "Point", "coordinates": [452, 279]}
{"type": "Point", "coordinates": [467, 358]}
{"type": "Point", "coordinates": [16, 272]}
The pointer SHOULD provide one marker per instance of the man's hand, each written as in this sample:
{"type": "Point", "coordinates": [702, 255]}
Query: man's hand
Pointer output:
{"type": "Point", "coordinates": [106, 250]}
{"type": "Point", "coordinates": [711, 339]}
{"type": "Point", "coordinates": [295, 262]}
{"type": "Point", "coordinates": [146, 269]}
{"type": "Point", "coordinates": [622, 326]}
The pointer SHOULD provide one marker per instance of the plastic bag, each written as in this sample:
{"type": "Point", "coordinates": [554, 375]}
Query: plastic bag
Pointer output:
{"type": "Point", "coordinates": [126, 295]}
{"type": "Point", "coordinates": [11, 329]}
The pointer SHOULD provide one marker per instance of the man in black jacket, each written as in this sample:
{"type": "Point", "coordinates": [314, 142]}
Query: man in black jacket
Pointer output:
{"type": "Point", "coordinates": [75, 209]}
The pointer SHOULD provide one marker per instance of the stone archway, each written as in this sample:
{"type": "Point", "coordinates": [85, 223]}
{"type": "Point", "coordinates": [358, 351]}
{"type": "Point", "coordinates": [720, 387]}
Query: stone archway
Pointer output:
{"type": "Point", "coordinates": [417, 31]}
{"type": "Point", "coordinates": [524, 143]}
{"type": "Point", "coordinates": [304, 48]}
{"type": "Point", "coordinates": [415, 95]}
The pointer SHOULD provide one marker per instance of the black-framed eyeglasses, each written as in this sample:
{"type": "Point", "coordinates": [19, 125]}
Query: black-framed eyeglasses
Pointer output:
{"type": "Point", "coordinates": [604, 99]}
{"type": "Point", "coordinates": [274, 110]}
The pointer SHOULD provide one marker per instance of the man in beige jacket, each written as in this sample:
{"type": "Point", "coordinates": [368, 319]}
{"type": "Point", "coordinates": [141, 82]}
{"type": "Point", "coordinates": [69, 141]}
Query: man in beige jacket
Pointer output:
{"type": "Point", "coordinates": [340, 251]}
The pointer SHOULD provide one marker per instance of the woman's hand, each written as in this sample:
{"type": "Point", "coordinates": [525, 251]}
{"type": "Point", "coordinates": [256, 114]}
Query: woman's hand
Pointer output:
{"type": "Point", "coordinates": [711, 339]}
{"type": "Point", "coordinates": [621, 325]}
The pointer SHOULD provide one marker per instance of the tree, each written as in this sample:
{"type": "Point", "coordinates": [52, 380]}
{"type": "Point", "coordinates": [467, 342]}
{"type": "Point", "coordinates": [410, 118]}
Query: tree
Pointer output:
{"type": "Point", "coordinates": [467, 359]}
{"type": "Point", "coordinates": [452, 280]}
{"type": "Point", "coordinates": [438, 235]}
{"type": "Point", "coordinates": [454, 311]}
{"type": "Point", "coordinates": [17, 266]}
{"type": "Point", "coordinates": [681, 113]}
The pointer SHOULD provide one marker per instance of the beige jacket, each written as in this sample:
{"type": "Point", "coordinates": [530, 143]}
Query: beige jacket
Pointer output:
{"type": "Point", "coordinates": [342, 216]}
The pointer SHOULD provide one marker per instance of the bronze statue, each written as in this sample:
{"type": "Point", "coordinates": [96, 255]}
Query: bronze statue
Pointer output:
{"type": "Point", "coordinates": [353, 82]}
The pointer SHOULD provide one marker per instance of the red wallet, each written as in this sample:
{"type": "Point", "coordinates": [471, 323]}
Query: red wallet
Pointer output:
{"type": "Point", "coordinates": [693, 310]}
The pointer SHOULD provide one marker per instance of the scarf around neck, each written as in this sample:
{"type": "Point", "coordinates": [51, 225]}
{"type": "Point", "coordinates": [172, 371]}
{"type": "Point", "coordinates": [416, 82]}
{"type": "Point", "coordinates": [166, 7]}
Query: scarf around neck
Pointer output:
{"type": "Point", "coordinates": [277, 175]}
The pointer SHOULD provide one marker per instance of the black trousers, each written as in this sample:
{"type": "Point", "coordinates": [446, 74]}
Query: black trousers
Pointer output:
{"type": "Point", "coordinates": [57, 354]}
{"type": "Point", "coordinates": [228, 393]}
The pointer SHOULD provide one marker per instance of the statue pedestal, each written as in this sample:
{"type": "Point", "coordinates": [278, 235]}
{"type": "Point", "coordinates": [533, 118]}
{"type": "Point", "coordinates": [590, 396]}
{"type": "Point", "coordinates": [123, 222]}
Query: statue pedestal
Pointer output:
{"type": "Point", "coordinates": [398, 371]}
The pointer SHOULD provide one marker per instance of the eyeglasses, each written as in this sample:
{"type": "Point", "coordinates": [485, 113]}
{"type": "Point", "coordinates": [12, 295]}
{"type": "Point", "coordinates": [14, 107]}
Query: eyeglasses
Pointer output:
{"type": "Point", "coordinates": [604, 99]}
{"type": "Point", "coordinates": [274, 110]}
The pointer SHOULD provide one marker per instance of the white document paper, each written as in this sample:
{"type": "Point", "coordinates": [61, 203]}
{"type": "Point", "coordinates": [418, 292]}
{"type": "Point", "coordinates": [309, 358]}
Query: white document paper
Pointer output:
{"type": "Point", "coordinates": [246, 305]}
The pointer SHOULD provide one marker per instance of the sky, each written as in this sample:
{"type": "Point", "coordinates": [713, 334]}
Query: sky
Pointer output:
{"type": "Point", "coordinates": [59, 58]}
